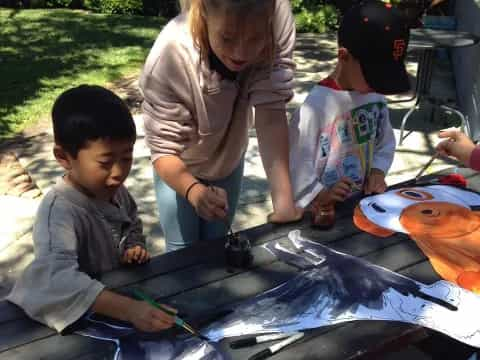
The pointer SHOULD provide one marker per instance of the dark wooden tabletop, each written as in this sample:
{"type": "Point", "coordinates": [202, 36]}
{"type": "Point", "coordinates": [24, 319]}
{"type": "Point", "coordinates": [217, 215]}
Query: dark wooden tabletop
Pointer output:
{"type": "Point", "coordinates": [196, 281]}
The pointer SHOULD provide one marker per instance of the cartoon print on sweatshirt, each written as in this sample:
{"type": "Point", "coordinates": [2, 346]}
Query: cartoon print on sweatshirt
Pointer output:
{"type": "Point", "coordinates": [345, 146]}
{"type": "Point", "coordinates": [343, 132]}
{"type": "Point", "coordinates": [352, 168]}
{"type": "Point", "coordinates": [324, 145]}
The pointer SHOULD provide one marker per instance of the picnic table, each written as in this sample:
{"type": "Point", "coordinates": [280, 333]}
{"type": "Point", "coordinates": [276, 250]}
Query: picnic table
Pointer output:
{"type": "Point", "coordinates": [197, 282]}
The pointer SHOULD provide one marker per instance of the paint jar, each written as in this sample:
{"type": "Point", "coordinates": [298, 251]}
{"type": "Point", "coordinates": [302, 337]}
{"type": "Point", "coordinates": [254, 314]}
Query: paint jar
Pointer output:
{"type": "Point", "coordinates": [238, 251]}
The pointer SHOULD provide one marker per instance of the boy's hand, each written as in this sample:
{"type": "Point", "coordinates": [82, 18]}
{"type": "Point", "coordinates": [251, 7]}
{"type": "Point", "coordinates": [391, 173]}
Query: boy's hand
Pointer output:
{"type": "Point", "coordinates": [457, 145]}
{"type": "Point", "coordinates": [210, 203]}
{"type": "Point", "coordinates": [136, 255]}
{"type": "Point", "coordinates": [375, 183]}
{"type": "Point", "coordinates": [145, 317]}
{"type": "Point", "coordinates": [338, 192]}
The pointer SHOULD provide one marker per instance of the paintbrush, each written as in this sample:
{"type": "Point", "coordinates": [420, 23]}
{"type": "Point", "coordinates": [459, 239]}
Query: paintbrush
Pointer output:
{"type": "Point", "coordinates": [228, 225]}
{"type": "Point", "coordinates": [180, 322]}
{"type": "Point", "coordinates": [425, 167]}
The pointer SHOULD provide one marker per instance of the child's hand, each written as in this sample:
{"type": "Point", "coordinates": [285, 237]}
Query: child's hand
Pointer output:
{"type": "Point", "coordinates": [375, 182]}
{"type": "Point", "coordinates": [145, 317]}
{"type": "Point", "coordinates": [210, 203]}
{"type": "Point", "coordinates": [136, 255]}
{"type": "Point", "coordinates": [457, 145]}
{"type": "Point", "coordinates": [339, 192]}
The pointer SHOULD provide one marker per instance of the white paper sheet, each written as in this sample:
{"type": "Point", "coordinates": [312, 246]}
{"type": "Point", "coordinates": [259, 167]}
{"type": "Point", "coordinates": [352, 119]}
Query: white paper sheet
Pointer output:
{"type": "Point", "coordinates": [343, 288]}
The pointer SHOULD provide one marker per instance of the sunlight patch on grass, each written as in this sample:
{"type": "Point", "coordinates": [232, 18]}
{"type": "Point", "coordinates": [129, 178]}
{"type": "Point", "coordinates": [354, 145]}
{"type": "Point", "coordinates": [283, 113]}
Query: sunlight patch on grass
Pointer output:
{"type": "Point", "coordinates": [44, 52]}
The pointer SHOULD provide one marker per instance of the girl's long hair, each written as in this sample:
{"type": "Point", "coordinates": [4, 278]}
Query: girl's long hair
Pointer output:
{"type": "Point", "coordinates": [184, 5]}
{"type": "Point", "coordinates": [197, 15]}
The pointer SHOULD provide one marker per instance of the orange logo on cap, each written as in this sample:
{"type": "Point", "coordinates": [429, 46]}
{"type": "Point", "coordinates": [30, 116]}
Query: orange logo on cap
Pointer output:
{"type": "Point", "coordinates": [398, 48]}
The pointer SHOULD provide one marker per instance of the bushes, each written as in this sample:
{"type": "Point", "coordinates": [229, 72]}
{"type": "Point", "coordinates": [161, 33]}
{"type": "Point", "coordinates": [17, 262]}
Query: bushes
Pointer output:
{"type": "Point", "coordinates": [164, 8]}
{"type": "Point", "coordinates": [315, 15]}
{"type": "Point", "coordinates": [115, 6]}
{"type": "Point", "coordinates": [58, 3]}
{"type": "Point", "coordinates": [311, 15]}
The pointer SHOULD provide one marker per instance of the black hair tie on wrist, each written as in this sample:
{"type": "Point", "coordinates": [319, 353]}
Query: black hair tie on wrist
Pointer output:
{"type": "Point", "coordinates": [190, 187]}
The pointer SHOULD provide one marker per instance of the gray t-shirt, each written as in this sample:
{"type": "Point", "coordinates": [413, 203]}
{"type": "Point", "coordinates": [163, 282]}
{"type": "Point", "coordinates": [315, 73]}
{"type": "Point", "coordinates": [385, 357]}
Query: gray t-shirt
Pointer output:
{"type": "Point", "coordinates": [76, 238]}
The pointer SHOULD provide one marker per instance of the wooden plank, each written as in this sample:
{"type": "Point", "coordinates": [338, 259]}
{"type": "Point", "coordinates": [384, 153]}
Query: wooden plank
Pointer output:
{"type": "Point", "coordinates": [397, 257]}
{"type": "Point", "coordinates": [62, 348]}
{"type": "Point", "coordinates": [22, 331]}
{"type": "Point", "coordinates": [215, 270]}
{"type": "Point", "coordinates": [191, 256]}
{"type": "Point", "coordinates": [9, 312]}
{"type": "Point", "coordinates": [422, 272]}
{"type": "Point", "coordinates": [218, 294]}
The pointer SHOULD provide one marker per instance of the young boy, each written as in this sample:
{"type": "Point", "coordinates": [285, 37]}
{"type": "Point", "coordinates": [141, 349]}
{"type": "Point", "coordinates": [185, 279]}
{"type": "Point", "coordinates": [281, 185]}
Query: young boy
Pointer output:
{"type": "Point", "coordinates": [87, 224]}
{"type": "Point", "coordinates": [341, 139]}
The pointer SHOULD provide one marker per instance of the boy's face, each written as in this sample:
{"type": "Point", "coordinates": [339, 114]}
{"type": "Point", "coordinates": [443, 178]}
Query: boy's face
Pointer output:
{"type": "Point", "coordinates": [100, 167]}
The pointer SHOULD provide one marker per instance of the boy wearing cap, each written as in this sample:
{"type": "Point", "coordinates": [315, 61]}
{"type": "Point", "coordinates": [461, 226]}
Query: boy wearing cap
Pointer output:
{"type": "Point", "coordinates": [341, 139]}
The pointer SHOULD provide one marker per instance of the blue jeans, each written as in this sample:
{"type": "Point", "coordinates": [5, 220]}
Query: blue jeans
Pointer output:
{"type": "Point", "coordinates": [180, 223]}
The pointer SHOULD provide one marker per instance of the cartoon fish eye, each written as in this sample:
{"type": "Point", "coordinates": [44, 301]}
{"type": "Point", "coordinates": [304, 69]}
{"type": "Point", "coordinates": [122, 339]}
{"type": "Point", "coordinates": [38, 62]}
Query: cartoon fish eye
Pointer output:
{"type": "Point", "coordinates": [377, 208]}
{"type": "Point", "coordinates": [413, 194]}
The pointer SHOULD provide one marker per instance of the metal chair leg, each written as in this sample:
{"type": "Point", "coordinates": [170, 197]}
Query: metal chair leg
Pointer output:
{"type": "Point", "coordinates": [465, 126]}
{"type": "Point", "coordinates": [404, 121]}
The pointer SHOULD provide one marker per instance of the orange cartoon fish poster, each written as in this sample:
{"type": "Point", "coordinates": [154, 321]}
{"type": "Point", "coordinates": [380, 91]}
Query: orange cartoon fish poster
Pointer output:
{"type": "Point", "coordinates": [439, 218]}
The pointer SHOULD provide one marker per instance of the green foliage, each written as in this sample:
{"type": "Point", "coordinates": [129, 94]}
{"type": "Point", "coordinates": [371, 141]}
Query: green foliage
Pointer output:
{"type": "Point", "coordinates": [115, 6]}
{"type": "Point", "coordinates": [314, 16]}
{"type": "Point", "coordinates": [165, 8]}
{"type": "Point", "coordinates": [44, 52]}
{"type": "Point", "coordinates": [58, 3]}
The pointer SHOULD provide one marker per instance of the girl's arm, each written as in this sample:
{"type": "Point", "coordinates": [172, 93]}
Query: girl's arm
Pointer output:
{"type": "Point", "coordinates": [272, 132]}
{"type": "Point", "coordinates": [174, 172]}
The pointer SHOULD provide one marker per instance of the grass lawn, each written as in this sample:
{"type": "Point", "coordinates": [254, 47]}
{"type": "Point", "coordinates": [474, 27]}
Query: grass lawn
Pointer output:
{"type": "Point", "coordinates": [43, 52]}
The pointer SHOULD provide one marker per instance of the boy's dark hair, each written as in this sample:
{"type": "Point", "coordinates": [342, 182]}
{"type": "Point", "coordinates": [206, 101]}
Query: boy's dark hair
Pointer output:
{"type": "Point", "coordinates": [87, 113]}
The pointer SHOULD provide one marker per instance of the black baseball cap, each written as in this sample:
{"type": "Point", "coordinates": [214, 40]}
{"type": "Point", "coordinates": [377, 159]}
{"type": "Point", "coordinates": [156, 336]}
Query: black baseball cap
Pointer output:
{"type": "Point", "coordinates": [377, 35]}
